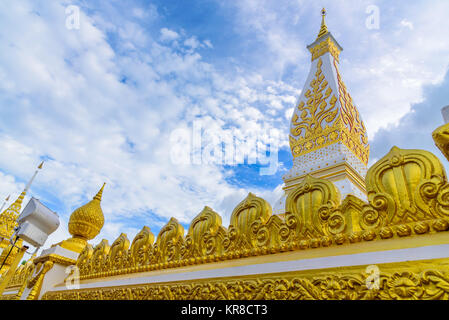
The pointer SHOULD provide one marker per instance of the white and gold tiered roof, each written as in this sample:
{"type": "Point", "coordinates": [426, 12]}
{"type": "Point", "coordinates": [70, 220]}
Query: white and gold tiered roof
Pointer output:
{"type": "Point", "coordinates": [327, 136]}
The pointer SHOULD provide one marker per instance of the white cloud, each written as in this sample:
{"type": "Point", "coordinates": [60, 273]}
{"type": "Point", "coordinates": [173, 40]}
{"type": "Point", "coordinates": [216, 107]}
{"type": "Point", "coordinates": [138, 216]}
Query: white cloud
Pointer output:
{"type": "Point", "coordinates": [192, 42]}
{"type": "Point", "coordinates": [103, 113]}
{"type": "Point", "coordinates": [168, 35]}
{"type": "Point", "coordinates": [407, 24]}
{"type": "Point", "coordinates": [208, 44]}
{"type": "Point", "coordinates": [385, 70]}
{"type": "Point", "coordinates": [289, 114]}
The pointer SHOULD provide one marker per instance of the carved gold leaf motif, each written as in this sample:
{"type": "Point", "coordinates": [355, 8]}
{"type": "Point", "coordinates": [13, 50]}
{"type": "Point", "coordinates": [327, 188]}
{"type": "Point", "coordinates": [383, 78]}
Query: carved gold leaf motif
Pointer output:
{"type": "Point", "coordinates": [396, 282]}
{"type": "Point", "coordinates": [320, 121]}
{"type": "Point", "coordinates": [317, 110]}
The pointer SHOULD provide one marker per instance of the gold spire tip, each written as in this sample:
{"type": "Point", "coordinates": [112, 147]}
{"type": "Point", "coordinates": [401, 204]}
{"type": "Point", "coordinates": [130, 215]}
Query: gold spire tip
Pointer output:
{"type": "Point", "coordinates": [323, 29]}
{"type": "Point", "coordinates": [7, 198]}
{"type": "Point", "coordinates": [100, 193]}
{"type": "Point", "coordinates": [41, 165]}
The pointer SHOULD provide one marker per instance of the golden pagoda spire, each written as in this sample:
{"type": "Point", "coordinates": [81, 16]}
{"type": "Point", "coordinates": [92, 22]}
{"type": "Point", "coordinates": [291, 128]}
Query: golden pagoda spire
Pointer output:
{"type": "Point", "coordinates": [323, 29]}
{"type": "Point", "coordinates": [328, 138]}
{"type": "Point", "coordinates": [4, 203]}
{"type": "Point", "coordinates": [9, 216]}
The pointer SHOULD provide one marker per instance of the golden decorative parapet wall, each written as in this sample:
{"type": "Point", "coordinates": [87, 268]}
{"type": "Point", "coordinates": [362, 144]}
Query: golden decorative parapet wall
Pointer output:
{"type": "Point", "coordinates": [407, 196]}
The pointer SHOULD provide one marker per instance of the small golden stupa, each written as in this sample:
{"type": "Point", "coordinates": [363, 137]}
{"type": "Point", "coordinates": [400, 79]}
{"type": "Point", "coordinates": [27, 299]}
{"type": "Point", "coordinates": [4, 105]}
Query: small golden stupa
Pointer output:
{"type": "Point", "coordinates": [85, 223]}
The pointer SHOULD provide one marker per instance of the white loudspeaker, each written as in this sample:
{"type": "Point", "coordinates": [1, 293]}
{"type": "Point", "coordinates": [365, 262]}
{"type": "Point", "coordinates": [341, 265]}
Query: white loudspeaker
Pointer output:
{"type": "Point", "coordinates": [36, 223]}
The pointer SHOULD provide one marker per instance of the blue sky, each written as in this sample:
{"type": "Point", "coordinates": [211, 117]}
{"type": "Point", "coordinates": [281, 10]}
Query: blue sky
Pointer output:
{"type": "Point", "coordinates": [101, 103]}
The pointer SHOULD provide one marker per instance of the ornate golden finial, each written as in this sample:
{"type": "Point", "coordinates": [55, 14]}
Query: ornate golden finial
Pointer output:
{"type": "Point", "coordinates": [323, 29]}
{"type": "Point", "coordinates": [40, 166]}
{"type": "Point", "coordinates": [100, 193]}
{"type": "Point", "coordinates": [85, 223]}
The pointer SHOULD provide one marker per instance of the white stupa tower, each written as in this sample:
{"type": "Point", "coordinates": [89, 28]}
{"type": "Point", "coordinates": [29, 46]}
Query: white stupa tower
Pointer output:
{"type": "Point", "coordinates": [327, 136]}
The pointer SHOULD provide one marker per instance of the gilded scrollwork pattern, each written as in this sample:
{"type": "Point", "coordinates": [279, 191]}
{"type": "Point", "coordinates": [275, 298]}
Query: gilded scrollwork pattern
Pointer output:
{"type": "Point", "coordinates": [326, 117]}
{"type": "Point", "coordinates": [141, 247]}
{"type": "Point", "coordinates": [99, 256]}
{"type": "Point", "coordinates": [205, 236]}
{"type": "Point", "coordinates": [441, 138]}
{"type": "Point", "coordinates": [246, 220]}
{"type": "Point", "coordinates": [169, 242]}
{"type": "Point", "coordinates": [118, 255]}
{"type": "Point", "coordinates": [316, 110]}
{"type": "Point", "coordinates": [313, 123]}
{"type": "Point", "coordinates": [20, 280]}
{"type": "Point", "coordinates": [325, 46]}
{"type": "Point", "coordinates": [405, 186]}
{"type": "Point", "coordinates": [8, 218]}
{"type": "Point", "coordinates": [83, 262]}
{"type": "Point", "coordinates": [353, 134]}
{"type": "Point", "coordinates": [312, 209]}
{"type": "Point", "coordinates": [395, 283]}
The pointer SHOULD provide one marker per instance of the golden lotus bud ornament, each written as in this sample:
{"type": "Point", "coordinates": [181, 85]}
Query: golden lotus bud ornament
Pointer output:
{"type": "Point", "coordinates": [86, 222]}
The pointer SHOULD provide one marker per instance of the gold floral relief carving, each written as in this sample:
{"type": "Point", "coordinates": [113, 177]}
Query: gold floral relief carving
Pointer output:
{"type": "Point", "coordinates": [351, 207]}
{"type": "Point", "coordinates": [312, 209]}
{"type": "Point", "coordinates": [84, 259]}
{"type": "Point", "coordinates": [142, 247]}
{"type": "Point", "coordinates": [99, 256]}
{"type": "Point", "coordinates": [320, 122]}
{"type": "Point", "coordinates": [405, 186]}
{"type": "Point", "coordinates": [355, 135]}
{"type": "Point", "coordinates": [205, 235]}
{"type": "Point", "coordinates": [441, 138]}
{"type": "Point", "coordinates": [246, 219]}
{"type": "Point", "coordinates": [10, 258]}
{"type": "Point", "coordinates": [273, 236]}
{"type": "Point", "coordinates": [21, 279]}
{"type": "Point", "coordinates": [315, 115]}
{"type": "Point", "coordinates": [415, 281]}
{"type": "Point", "coordinates": [169, 242]}
{"type": "Point", "coordinates": [118, 254]}
{"type": "Point", "coordinates": [17, 277]}
{"type": "Point", "coordinates": [324, 46]}
{"type": "Point", "coordinates": [8, 218]}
